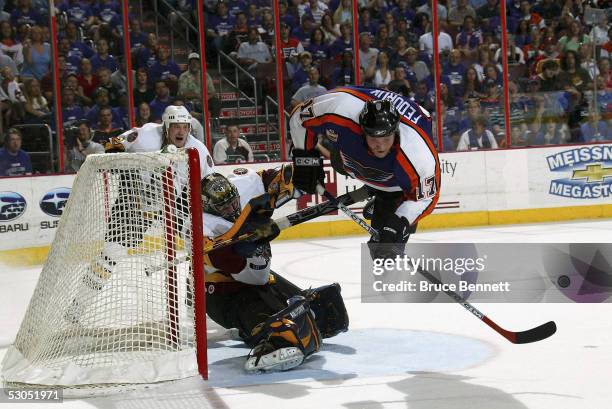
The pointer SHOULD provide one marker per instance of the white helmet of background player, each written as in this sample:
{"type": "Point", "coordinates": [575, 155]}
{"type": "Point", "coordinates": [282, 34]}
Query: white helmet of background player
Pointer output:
{"type": "Point", "coordinates": [175, 114]}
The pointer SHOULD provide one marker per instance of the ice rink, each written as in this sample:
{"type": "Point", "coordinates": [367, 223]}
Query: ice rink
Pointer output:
{"type": "Point", "coordinates": [415, 356]}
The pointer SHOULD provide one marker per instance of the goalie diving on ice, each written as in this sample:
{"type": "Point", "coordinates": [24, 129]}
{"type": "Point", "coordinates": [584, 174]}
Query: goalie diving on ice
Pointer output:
{"type": "Point", "coordinates": [282, 323]}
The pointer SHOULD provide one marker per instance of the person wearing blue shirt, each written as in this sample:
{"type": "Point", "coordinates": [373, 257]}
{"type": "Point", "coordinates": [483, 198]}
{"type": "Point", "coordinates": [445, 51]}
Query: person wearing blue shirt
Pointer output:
{"type": "Point", "coordinates": [77, 12]}
{"type": "Point", "coordinates": [318, 48]}
{"type": "Point", "coordinates": [220, 25]}
{"type": "Point", "coordinates": [24, 13]}
{"type": "Point", "coordinates": [455, 71]}
{"type": "Point", "coordinates": [137, 37]}
{"type": "Point", "coordinates": [102, 58]}
{"type": "Point", "coordinates": [285, 16]}
{"type": "Point", "coordinates": [304, 31]}
{"type": "Point", "coordinates": [107, 11]}
{"type": "Point", "coordinates": [344, 43]}
{"type": "Point", "coordinates": [102, 101]}
{"type": "Point", "coordinates": [595, 130]}
{"type": "Point", "coordinates": [146, 55]}
{"type": "Point", "coordinates": [345, 73]}
{"type": "Point", "coordinates": [36, 55]}
{"type": "Point", "coordinates": [13, 160]}
{"type": "Point", "coordinates": [71, 111]}
{"type": "Point", "coordinates": [164, 68]}
{"type": "Point", "coordinates": [161, 101]}
{"type": "Point", "coordinates": [403, 11]}
{"type": "Point", "coordinates": [78, 48]}
{"type": "Point", "coordinates": [366, 23]}
{"type": "Point", "coordinates": [236, 6]}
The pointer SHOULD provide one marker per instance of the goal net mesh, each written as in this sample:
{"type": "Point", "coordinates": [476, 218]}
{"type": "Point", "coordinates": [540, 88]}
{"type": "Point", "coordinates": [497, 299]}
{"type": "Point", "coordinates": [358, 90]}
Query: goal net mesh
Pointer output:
{"type": "Point", "coordinates": [113, 304]}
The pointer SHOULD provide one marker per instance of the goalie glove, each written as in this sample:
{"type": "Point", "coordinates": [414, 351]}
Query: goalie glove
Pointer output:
{"type": "Point", "coordinates": [114, 145]}
{"type": "Point", "coordinates": [278, 183]}
{"type": "Point", "coordinates": [307, 170]}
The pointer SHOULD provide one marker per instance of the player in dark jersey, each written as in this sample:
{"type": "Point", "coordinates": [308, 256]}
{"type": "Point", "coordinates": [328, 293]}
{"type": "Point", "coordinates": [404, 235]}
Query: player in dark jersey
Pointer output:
{"type": "Point", "coordinates": [379, 137]}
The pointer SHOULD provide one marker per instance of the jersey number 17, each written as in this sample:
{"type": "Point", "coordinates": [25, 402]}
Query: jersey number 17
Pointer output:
{"type": "Point", "coordinates": [427, 189]}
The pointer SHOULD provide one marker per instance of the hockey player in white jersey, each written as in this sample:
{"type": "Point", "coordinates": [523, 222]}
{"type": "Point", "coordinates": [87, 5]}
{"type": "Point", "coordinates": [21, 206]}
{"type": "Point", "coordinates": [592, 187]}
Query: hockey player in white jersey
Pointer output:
{"type": "Point", "coordinates": [282, 323]}
{"type": "Point", "coordinates": [381, 138]}
{"type": "Point", "coordinates": [176, 129]}
{"type": "Point", "coordinates": [131, 207]}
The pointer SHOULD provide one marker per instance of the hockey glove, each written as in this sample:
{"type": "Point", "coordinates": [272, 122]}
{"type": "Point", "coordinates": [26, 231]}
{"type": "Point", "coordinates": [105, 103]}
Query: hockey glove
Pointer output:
{"type": "Point", "coordinates": [307, 170]}
{"type": "Point", "coordinates": [114, 145]}
{"type": "Point", "coordinates": [392, 238]}
{"type": "Point", "coordinates": [258, 220]}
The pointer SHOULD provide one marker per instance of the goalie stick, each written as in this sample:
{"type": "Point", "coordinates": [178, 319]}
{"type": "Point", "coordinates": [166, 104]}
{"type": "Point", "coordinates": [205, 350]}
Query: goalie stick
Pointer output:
{"type": "Point", "coordinates": [516, 337]}
{"type": "Point", "coordinates": [282, 223]}
{"type": "Point", "coordinates": [296, 218]}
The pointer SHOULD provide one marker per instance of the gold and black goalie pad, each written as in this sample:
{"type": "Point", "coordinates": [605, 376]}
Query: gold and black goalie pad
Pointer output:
{"type": "Point", "coordinates": [328, 306]}
{"type": "Point", "coordinates": [292, 326]}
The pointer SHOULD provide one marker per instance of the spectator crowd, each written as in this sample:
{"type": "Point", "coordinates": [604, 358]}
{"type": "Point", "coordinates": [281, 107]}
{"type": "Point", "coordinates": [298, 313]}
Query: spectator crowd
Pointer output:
{"type": "Point", "coordinates": [560, 80]}
{"type": "Point", "coordinates": [559, 51]}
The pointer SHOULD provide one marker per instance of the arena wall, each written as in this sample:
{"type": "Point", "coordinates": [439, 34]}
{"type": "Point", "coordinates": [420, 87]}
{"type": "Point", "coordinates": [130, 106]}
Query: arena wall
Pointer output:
{"type": "Point", "coordinates": [478, 188]}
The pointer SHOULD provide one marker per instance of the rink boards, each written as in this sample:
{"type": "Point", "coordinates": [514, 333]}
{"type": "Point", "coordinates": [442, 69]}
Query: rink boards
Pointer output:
{"type": "Point", "coordinates": [478, 188]}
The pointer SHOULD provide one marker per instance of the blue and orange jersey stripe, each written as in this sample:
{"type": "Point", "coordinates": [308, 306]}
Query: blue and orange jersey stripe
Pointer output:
{"type": "Point", "coordinates": [405, 163]}
{"type": "Point", "coordinates": [334, 119]}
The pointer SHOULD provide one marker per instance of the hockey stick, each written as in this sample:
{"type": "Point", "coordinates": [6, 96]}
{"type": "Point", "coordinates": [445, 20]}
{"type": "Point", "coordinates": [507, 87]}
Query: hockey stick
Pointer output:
{"type": "Point", "coordinates": [282, 223]}
{"type": "Point", "coordinates": [296, 218]}
{"type": "Point", "coordinates": [364, 225]}
{"type": "Point", "coordinates": [521, 337]}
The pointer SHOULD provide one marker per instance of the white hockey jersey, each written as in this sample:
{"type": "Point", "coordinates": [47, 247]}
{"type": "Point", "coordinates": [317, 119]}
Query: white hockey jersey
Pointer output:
{"type": "Point", "coordinates": [149, 138]}
{"type": "Point", "coordinates": [412, 166]}
{"type": "Point", "coordinates": [257, 268]}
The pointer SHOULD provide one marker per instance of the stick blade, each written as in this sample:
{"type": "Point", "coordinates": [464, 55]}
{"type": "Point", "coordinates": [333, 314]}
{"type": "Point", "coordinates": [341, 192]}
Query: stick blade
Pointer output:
{"type": "Point", "coordinates": [535, 334]}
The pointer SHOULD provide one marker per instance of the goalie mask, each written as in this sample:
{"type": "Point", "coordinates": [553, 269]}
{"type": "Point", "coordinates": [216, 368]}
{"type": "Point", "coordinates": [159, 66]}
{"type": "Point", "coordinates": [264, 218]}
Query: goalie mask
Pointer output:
{"type": "Point", "coordinates": [220, 197]}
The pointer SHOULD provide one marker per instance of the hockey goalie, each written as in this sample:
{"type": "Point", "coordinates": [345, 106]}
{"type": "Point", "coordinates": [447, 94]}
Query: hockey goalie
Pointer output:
{"type": "Point", "coordinates": [282, 323]}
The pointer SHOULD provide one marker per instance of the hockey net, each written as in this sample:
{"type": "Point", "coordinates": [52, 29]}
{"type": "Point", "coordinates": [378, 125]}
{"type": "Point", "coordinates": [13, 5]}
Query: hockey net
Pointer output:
{"type": "Point", "coordinates": [115, 304]}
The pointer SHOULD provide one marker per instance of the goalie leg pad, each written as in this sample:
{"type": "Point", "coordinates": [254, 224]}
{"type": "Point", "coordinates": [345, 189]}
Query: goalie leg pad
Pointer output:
{"type": "Point", "coordinates": [325, 302]}
{"type": "Point", "coordinates": [328, 306]}
{"type": "Point", "coordinates": [285, 339]}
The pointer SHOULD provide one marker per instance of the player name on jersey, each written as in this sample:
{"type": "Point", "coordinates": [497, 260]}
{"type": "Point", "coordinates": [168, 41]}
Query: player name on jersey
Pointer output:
{"type": "Point", "coordinates": [403, 106]}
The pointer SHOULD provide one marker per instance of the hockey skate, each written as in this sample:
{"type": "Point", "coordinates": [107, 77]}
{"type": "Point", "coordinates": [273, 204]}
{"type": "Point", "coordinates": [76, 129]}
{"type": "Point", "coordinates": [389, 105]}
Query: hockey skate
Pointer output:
{"type": "Point", "coordinates": [267, 358]}
{"type": "Point", "coordinates": [285, 339]}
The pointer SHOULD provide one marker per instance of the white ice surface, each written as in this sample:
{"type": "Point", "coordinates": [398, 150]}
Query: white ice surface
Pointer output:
{"type": "Point", "coordinates": [416, 356]}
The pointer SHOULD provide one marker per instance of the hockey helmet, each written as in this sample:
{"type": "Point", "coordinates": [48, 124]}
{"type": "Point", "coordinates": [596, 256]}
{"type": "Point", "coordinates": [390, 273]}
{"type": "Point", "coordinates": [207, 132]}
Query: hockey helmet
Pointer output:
{"type": "Point", "coordinates": [220, 197]}
{"type": "Point", "coordinates": [379, 118]}
{"type": "Point", "coordinates": [175, 114]}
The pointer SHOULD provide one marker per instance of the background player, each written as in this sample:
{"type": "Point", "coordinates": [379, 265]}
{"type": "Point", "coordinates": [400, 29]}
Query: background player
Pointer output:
{"type": "Point", "coordinates": [176, 129]}
{"type": "Point", "coordinates": [133, 206]}
{"type": "Point", "coordinates": [272, 315]}
{"type": "Point", "coordinates": [379, 137]}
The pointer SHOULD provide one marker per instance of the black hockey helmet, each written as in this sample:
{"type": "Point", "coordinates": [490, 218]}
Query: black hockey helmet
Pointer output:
{"type": "Point", "coordinates": [379, 118]}
{"type": "Point", "coordinates": [220, 197]}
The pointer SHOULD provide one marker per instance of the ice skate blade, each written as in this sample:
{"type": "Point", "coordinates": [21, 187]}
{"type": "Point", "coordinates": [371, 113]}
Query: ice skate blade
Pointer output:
{"type": "Point", "coordinates": [282, 359]}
